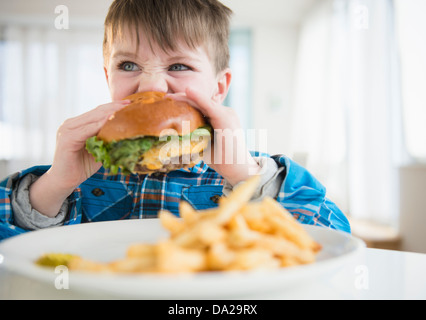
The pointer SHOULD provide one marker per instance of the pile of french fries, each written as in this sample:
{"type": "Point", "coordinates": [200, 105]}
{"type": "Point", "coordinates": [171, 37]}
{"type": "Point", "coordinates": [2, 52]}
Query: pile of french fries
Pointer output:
{"type": "Point", "coordinates": [237, 235]}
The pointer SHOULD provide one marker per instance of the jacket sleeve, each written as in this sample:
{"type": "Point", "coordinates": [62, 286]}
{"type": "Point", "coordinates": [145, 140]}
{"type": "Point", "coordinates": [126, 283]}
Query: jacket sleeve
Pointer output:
{"type": "Point", "coordinates": [305, 198]}
{"type": "Point", "coordinates": [25, 215]}
{"type": "Point", "coordinates": [9, 224]}
{"type": "Point", "coordinates": [270, 179]}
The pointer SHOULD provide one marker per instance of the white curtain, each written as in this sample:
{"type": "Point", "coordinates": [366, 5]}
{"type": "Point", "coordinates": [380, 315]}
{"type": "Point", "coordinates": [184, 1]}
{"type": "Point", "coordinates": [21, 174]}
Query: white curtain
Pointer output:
{"type": "Point", "coordinates": [347, 108]}
{"type": "Point", "coordinates": [47, 75]}
{"type": "Point", "coordinates": [411, 35]}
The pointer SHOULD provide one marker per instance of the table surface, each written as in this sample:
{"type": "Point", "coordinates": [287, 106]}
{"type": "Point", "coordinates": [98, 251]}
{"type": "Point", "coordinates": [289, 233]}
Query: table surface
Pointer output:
{"type": "Point", "coordinates": [377, 274]}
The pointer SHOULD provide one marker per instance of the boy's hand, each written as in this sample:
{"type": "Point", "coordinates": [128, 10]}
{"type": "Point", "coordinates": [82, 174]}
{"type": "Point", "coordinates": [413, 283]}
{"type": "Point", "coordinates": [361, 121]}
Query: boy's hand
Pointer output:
{"type": "Point", "coordinates": [72, 164]}
{"type": "Point", "coordinates": [229, 155]}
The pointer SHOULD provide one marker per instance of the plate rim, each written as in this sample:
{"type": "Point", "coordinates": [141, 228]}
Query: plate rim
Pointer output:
{"type": "Point", "coordinates": [86, 281]}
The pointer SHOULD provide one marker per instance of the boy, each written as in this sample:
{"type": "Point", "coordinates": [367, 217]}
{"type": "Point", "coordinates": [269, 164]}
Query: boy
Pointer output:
{"type": "Point", "coordinates": [173, 46]}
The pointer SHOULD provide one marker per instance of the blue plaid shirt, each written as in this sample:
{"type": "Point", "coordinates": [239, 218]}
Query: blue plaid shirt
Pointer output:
{"type": "Point", "coordinates": [105, 197]}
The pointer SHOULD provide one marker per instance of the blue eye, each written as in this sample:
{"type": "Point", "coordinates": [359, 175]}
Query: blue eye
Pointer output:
{"type": "Point", "coordinates": [179, 67]}
{"type": "Point", "coordinates": [128, 66]}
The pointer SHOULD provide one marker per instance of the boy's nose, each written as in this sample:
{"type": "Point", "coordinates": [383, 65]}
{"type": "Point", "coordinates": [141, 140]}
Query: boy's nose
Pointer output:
{"type": "Point", "coordinates": [153, 82]}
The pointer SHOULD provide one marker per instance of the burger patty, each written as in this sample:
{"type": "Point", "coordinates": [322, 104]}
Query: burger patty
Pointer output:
{"type": "Point", "coordinates": [175, 164]}
{"type": "Point", "coordinates": [170, 156]}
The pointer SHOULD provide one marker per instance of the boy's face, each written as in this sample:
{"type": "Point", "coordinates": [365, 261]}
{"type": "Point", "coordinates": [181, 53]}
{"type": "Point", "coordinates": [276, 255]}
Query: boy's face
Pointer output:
{"type": "Point", "coordinates": [131, 70]}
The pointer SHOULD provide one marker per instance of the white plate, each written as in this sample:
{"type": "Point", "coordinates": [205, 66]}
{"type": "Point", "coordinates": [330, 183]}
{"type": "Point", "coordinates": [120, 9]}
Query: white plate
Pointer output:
{"type": "Point", "coordinates": [106, 241]}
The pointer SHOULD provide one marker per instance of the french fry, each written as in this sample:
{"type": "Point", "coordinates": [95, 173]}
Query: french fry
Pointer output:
{"type": "Point", "coordinates": [170, 222]}
{"type": "Point", "coordinates": [284, 223]}
{"type": "Point", "coordinates": [80, 264]}
{"type": "Point", "coordinates": [240, 236]}
{"type": "Point", "coordinates": [282, 247]}
{"type": "Point", "coordinates": [201, 234]}
{"type": "Point", "coordinates": [187, 213]}
{"type": "Point", "coordinates": [251, 259]}
{"type": "Point", "coordinates": [241, 195]}
{"type": "Point", "coordinates": [254, 216]}
{"type": "Point", "coordinates": [146, 263]}
{"type": "Point", "coordinates": [140, 250]}
{"type": "Point", "coordinates": [209, 233]}
{"type": "Point", "coordinates": [175, 259]}
{"type": "Point", "coordinates": [288, 262]}
{"type": "Point", "coordinates": [219, 256]}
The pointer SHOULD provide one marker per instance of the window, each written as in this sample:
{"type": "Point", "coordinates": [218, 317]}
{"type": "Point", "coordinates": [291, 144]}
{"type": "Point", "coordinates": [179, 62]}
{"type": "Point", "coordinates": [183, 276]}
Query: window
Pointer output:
{"type": "Point", "coordinates": [47, 76]}
{"type": "Point", "coordinates": [239, 96]}
{"type": "Point", "coordinates": [411, 26]}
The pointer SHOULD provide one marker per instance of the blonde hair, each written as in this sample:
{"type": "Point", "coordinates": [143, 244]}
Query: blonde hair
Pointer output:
{"type": "Point", "coordinates": [166, 22]}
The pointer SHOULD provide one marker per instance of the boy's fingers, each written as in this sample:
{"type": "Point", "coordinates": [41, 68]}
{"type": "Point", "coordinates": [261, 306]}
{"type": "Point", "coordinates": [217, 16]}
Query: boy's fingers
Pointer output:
{"type": "Point", "coordinates": [108, 110]}
{"type": "Point", "coordinates": [97, 115]}
{"type": "Point", "coordinates": [87, 125]}
{"type": "Point", "coordinates": [195, 99]}
{"type": "Point", "coordinates": [181, 97]}
{"type": "Point", "coordinates": [205, 105]}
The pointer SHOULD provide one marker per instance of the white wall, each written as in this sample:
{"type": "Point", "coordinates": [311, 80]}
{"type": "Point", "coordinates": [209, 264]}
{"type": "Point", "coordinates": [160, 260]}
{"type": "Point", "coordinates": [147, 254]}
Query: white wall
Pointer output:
{"type": "Point", "coordinates": [274, 60]}
{"type": "Point", "coordinates": [275, 26]}
{"type": "Point", "coordinates": [410, 30]}
{"type": "Point", "coordinates": [91, 12]}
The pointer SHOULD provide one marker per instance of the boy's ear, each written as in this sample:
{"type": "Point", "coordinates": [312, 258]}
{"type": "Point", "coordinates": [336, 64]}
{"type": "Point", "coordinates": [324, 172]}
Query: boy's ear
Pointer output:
{"type": "Point", "coordinates": [106, 74]}
{"type": "Point", "coordinates": [223, 83]}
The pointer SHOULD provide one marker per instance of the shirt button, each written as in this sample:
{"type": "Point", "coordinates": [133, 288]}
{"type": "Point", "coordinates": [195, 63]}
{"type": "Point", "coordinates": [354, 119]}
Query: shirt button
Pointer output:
{"type": "Point", "coordinates": [98, 192]}
{"type": "Point", "coordinates": [215, 198]}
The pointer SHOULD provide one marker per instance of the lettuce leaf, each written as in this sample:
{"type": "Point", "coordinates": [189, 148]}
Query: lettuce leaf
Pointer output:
{"type": "Point", "coordinates": [125, 154]}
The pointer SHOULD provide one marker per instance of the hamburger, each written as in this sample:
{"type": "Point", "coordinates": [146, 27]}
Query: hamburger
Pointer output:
{"type": "Point", "coordinates": [151, 134]}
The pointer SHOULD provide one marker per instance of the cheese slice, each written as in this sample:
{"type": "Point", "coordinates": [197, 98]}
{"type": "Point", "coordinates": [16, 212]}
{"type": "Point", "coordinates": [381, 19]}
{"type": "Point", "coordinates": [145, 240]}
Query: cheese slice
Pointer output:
{"type": "Point", "coordinates": [156, 157]}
